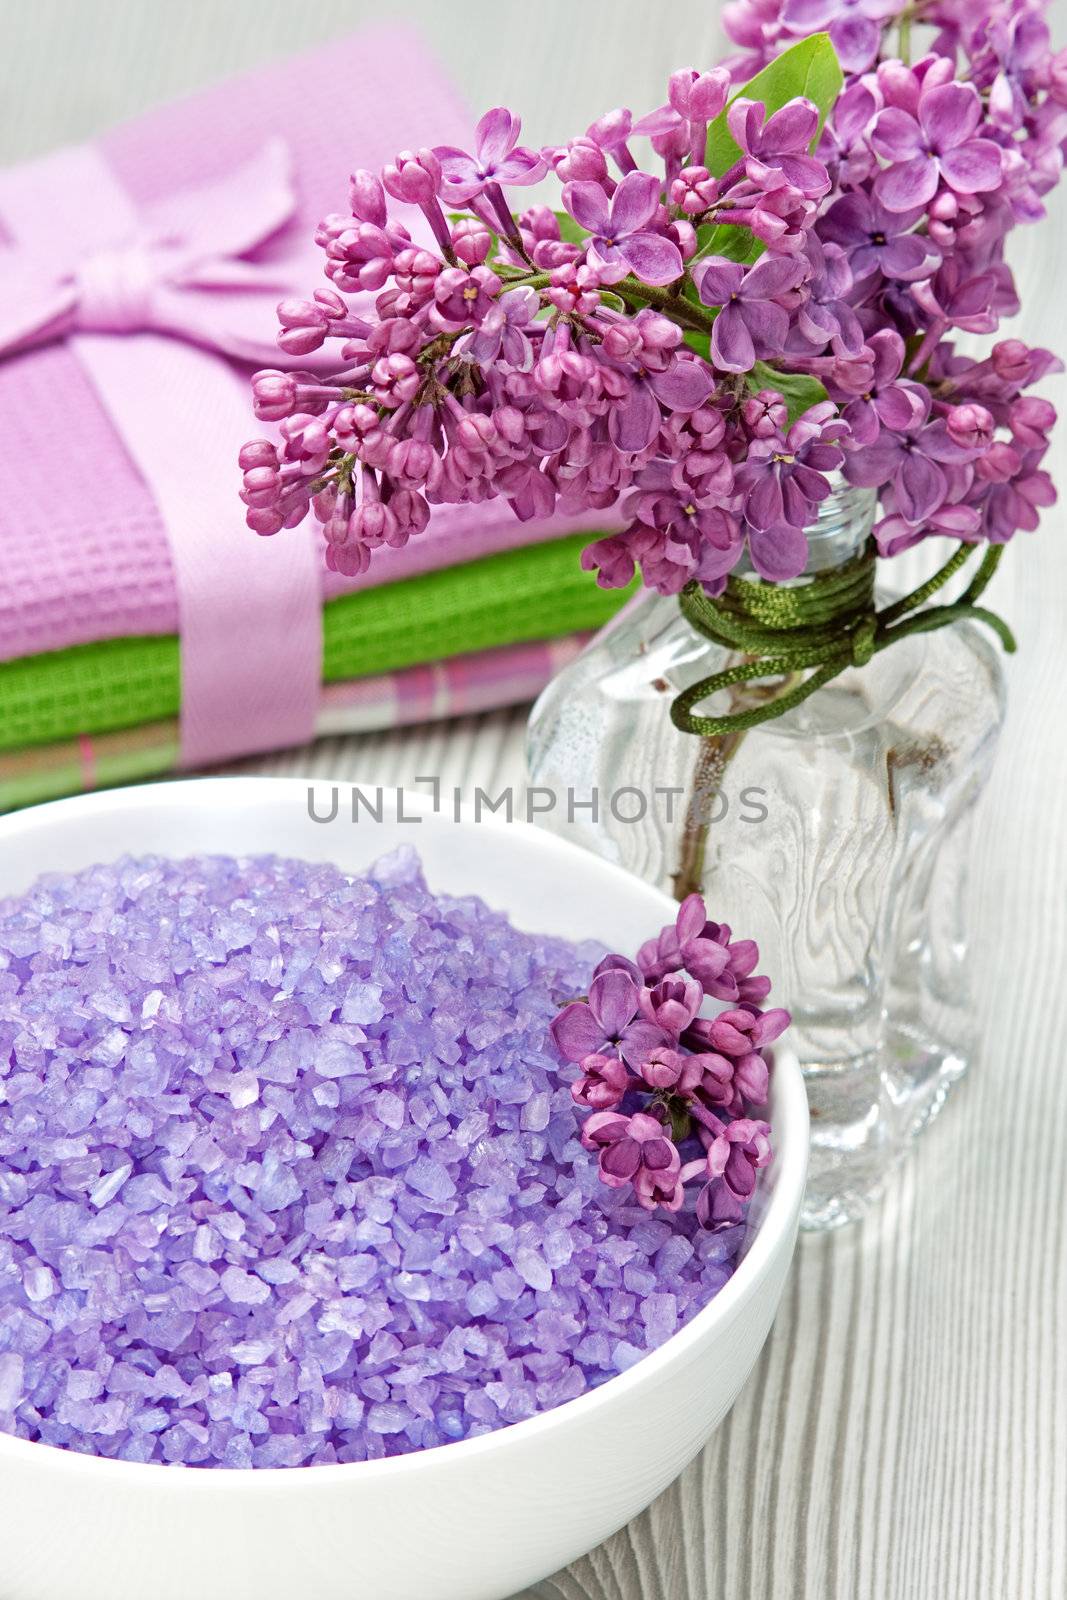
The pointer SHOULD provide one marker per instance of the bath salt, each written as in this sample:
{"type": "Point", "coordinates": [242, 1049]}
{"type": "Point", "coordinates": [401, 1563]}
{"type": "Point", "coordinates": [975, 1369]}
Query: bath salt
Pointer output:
{"type": "Point", "coordinates": [290, 1174]}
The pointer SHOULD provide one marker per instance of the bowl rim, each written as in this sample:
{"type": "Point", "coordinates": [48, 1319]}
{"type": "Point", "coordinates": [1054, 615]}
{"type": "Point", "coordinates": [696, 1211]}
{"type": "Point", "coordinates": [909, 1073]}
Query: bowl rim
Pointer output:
{"type": "Point", "coordinates": [777, 1223]}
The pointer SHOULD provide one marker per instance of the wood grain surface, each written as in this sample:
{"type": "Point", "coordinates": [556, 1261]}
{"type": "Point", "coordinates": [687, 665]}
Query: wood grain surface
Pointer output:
{"type": "Point", "coordinates": [904, 1436]}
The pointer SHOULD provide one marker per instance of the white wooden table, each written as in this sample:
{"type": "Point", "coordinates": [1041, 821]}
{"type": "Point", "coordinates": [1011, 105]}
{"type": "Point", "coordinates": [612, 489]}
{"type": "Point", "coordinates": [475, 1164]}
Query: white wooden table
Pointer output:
{"type": "Point", "coordinates": [904, 1436]}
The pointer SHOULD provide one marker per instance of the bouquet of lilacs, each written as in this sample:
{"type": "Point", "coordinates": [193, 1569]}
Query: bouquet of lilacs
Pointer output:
{"type": "Point", "coordinates": [671, 1090]}
{"type": "Point", "coordinates": [748, 290]}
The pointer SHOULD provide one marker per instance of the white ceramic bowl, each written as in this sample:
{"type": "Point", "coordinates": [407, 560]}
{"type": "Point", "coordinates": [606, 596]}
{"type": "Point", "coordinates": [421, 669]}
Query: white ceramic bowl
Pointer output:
{"type": "Point", "coordinates": [475, 1520]}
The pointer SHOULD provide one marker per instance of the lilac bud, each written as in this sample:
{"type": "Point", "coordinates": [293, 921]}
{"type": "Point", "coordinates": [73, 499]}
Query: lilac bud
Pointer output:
{"type": "Point", "coordinates": [612, 129]}
{"type": "Point", "coordinates": [260, 486]}
{"type": "Point", "coordinates": [999, 463]}
{"type": "Point", "coordinates": [581, 161]}
{"type": "Point", "coordinates": [352, 424]}
{"type": "Point", "coordinates": [694, 190]}
{"type": "Point", "coordinates": [371, 523]}
{"type": "Point", "coordinates": [700, 96]}
{"type": "Point", "coordinates": [410, 462]}
{"type": "Point", "coordinates": [1011, 360]}
{"type": "Point", "coordinates": [765, 414]}
{"type": "Point", "coordinates": [367, 198]}
{"type": "Point", "coordinates": [970, 426]}
{"type": "Point", "coordinates": [471, 240]}
{"type": "Point", "coordinates": [360, 257]}
{"type": "Point", "coordinates": [410, 510]}
{"type": "Point", "coordinates": [307, 438]}
{"type": "Point", "coordinates": [304, 326]}
{"type": "Point", "coordinates": [622, 341]}
{"type": "Point", "coordinates": [393, 336]}
{"type": "Point", "coordinates": [257, 453]}
{"type": "Point", "coordinates": [540, 222]}
{"type": "Point", "coordinates": [686, 236]}
{"type": "Point", "coordinates": [273, 394]}
{"type": "Point", "coordinates": [662, 1067]}
{"type": "Point", "coordinates": [602, 1083]}
{"type": "Point", "coordinates": [350, 559]}
{"type": "Point", "coordinates": [415, 272]}
{"type": "Point", "coordinates": [548, 254]}
{"type": "Point", "coordinates": [477, 433]}
{"type": "Point", "coordinates": [265, 522]}
{"type": "Point", "coordinates": [376, 447]}
{"type": "Point", "coordinates": [657, 332]}
{"type": "Point", "coordinates": [414, 177]}
{"type": "Point", "coordinates": [1032, 420]}
{"type": "Point", "coordinates": [395, 379]}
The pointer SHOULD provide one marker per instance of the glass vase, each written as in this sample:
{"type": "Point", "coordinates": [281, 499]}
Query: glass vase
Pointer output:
{"type": "Point", "coordinates": [836, 835]}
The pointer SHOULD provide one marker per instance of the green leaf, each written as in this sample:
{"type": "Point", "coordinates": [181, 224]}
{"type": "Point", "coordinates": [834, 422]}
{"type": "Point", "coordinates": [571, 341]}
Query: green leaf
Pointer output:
{"type": "Point", "coordinates": [799, 390]}
{"type": "Point", "coordinates": [810, 68]}
{"type": "Point", "coordinates": [729, 240]}
{"type": "Point", "coordinates": [700, 342]}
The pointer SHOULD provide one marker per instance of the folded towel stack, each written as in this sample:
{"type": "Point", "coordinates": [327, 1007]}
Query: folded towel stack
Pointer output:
{"type": "Point", "coordinates": [139, 619]}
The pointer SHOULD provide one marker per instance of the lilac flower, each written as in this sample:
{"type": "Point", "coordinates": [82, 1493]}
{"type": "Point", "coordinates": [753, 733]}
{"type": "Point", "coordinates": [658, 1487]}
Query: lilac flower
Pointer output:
{"type": "Point", "coordinates": [503, 332]}
{"type": "Point", "coordinates": [779, 143]}
{"type": "Point", "coordinates": [738, 983]}
{"type": "Point", "coordinates": [672, 1004]}
{"type": "Point", "coordinates": [825, 316]}
{"type": "Point", "coordinates": [890, 402]}
{"type": "Point", "coordinates": [673, 539]}
{"type": "Point", "coordinates": [464, 295]}
{"type": "Point", "coordinates": [1017, 499]}
{"type": "Point", "coordinates": [911, 459]}
{"type": "Point", "coordinates": [895, 533]}
{"type": "Point", "coordinates": [636, 1150]}
{"type": "Point", "coordinates": [855, 26]}
{"type": "Point", "coordinates": [967, 302]}
{"type": "Point", "coordinates": [735, 1155]}
{"type": "Point", "coordinates": [608, 1021]}
{"type": "Point", "coordinates": [678, 386]}
{"type": "Point", "coordinates": [936, 145]}
{"type": "Point", "coordinates": [690, 943]}
{"type": "Point", "coordinates": [739, 1032]}
{"type": "Point", "coordinates": [878, 240]}
{"type": "Point", "coordinates": [622, 238]}
{"type": "Point", "coordinates": [664, 1068]}
{"type": "Point", "coordinates": [784, 478]}
{"type": "Point", "coordinates": [753, 322]}
{"type": "Point", "coordinates": [731, 1082]}
{"type": "Point", "coordinates": [498, 159]}
{"type": "Point", "coordinates": [602, 1084]}
{"type": "Point", "coordinates": [414, 177]}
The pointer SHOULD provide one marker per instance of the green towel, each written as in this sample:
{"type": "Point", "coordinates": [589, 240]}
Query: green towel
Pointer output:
{"type": "Point", "coordinates": [539, 592]}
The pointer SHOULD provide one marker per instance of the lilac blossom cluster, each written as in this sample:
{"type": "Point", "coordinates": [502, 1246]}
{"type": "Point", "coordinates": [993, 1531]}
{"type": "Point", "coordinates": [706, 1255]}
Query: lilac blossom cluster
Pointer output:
{"type": "Point", "coordinates": [671, 1090]}
{"type": "Point", "coordinates": [696, 343]}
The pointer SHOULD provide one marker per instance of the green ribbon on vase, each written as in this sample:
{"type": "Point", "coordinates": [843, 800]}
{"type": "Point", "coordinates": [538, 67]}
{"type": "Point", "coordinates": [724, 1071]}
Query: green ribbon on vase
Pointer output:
{"type": "Point", "coordinates": [824, 626]}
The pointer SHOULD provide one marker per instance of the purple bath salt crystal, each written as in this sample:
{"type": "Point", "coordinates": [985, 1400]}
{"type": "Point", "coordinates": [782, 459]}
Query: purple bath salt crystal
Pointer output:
{"type": "Point", "coordinates": [292, 1178]}
{"type": "Point", "coordinates": [533, 1269]}
{"type": "Point", "coordinates": [12, 1368]}
{"type": "Point", "coordinates": [243, 1289]}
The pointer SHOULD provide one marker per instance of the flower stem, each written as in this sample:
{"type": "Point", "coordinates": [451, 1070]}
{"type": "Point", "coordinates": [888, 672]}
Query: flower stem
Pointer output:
{"type": "Point", "coordinates": [669, 301]}
{"type": "Point", "coordinates": [904, 36]}
{"type": "Point", "coordinates": [714, 754]}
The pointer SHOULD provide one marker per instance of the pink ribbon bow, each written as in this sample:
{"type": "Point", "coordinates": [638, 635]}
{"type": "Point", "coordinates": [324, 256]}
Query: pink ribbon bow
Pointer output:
{"type": "Point", "coordinates": [170, 279]}
{"type": "Point", "coordinates": [179, 271]}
